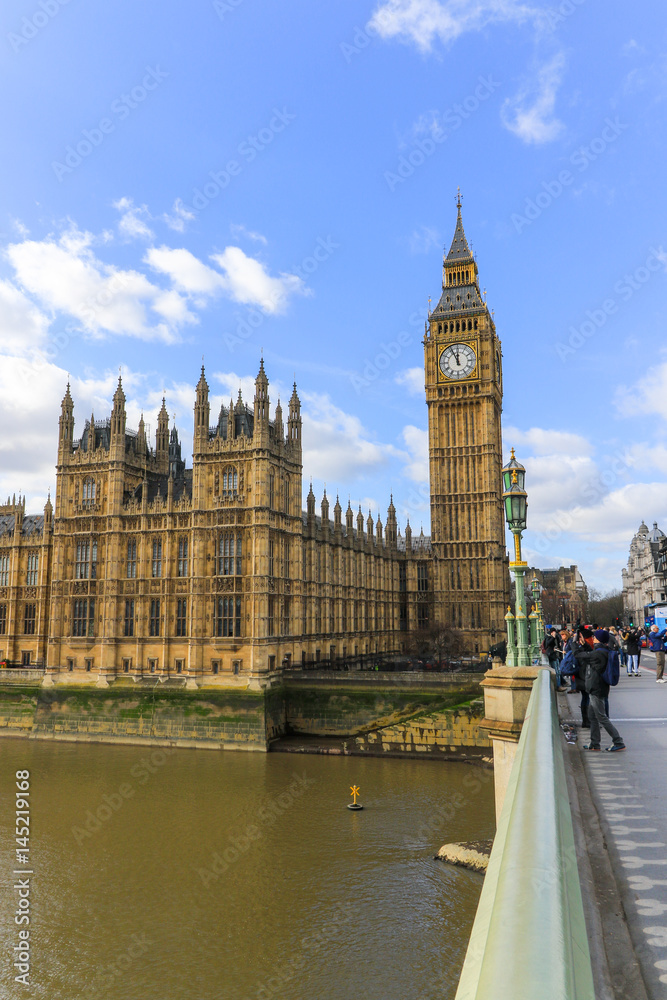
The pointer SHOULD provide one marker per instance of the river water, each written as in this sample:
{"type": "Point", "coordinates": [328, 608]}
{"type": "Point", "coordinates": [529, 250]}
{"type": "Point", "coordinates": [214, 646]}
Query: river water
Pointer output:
{"type": "Point", "coordinates": [238, 876]}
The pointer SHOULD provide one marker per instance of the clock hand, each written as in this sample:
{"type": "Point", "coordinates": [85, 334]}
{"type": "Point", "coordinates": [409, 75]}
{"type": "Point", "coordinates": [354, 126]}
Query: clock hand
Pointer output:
{"type": "Point", "coordinates": [457, 358]}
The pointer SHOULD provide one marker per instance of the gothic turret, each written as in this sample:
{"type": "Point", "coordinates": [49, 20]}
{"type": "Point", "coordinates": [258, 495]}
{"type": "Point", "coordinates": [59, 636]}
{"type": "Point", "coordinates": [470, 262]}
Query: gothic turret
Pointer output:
{"type": "Point", "coordinates": [391, 523]}
{"type": "Point", "coordinates": [360, 525]}
{"type": "Point", "coordinates": [48, 516]}
{"type": "Point", "coordinates": [310, 504]}
{"type": "Point", "coordinates": [231, 420]}
{"type": "Point", "coordinates": [279, 422]}
{"type": "Point", "coordinates": [176, 464]}
{"type": "Point", "coordinates": [141, 437]}
{"type": "Point", "coordinates": [349, 519]}
{"type": "Point", "coordinates": [324, 509]}
{"type": "Point", "coordinates": [66, 425]}
{"type": "Point", "coordinates": [338, 512]}
{"type": "Point", "coordinates": [261, 428]}
{"type": "Point", "coordinates": [294, 420]}
{"type": "Point", "coordinates": [118, 420]}
{"type": "Point", "coordinates": [162, 434]}
{"type": "Point", "coordinates": [202, 410]}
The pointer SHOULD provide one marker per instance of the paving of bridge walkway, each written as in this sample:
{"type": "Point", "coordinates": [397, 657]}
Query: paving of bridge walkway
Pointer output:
{"type": "Point", "coordinates": [630, 792]}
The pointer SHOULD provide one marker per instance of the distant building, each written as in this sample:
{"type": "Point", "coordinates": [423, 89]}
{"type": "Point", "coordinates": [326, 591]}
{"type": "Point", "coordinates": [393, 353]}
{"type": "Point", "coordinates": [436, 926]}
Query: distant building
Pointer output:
{"type": "Point", "coordinates": [645, 578]}
{"type": "Point", "coordinates": [563, 592]}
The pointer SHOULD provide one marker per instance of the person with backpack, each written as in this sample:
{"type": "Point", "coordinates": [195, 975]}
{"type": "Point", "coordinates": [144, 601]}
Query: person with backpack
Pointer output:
{"type": "Point", "coordinates": [631, 641]}
{"type": "Point", "coordinates": [656, 643]}
{"type": "Point", "coordinates": [600, 667]}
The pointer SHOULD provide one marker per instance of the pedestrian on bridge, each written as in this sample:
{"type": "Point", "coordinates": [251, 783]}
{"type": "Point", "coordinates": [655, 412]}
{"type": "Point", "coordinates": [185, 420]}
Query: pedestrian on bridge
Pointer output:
{"type": "Point", "coordinates": [593, 662]}
{"type": "Point", "coordinates": [553, 647]}
{"type": "Point", "coordinates": [631, 642]}
{"type": "Point", "coordinates": [656, 641]}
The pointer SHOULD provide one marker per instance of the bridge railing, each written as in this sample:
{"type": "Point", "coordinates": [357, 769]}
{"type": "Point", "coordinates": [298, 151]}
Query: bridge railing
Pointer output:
{"type": "Point", "coordinates": [529, 937]}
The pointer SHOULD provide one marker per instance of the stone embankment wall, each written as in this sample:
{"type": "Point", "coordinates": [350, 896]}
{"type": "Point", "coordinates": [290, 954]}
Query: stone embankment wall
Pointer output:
{"type": "Point", "coordinates": [124, 714]}
{"type": "Point", "coordinates": [341, 709]}
{"type": "Point", "coordinates": [380, 717]}
{"type": "Point", "coordinates": [443, 734]}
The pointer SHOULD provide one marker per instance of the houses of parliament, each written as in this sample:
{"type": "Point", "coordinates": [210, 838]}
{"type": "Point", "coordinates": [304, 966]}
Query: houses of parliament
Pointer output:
{"type": "Point", "coordinates": [144, 566]}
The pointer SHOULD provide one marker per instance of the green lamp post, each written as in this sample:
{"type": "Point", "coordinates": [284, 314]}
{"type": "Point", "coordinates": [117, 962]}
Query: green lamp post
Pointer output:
{"type": "Point", "coordinates": [515, 500]}
{"type": "Point", "coordinates": [539, 631]}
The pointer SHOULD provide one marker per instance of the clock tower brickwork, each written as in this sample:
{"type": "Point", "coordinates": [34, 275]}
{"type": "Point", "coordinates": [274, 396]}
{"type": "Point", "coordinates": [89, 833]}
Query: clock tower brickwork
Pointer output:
{"type": "Point", "coordinates": [463, 380]}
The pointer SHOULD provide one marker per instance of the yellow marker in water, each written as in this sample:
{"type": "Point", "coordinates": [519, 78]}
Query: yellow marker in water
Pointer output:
{"type": "Point", "coordinates": [355, 791]}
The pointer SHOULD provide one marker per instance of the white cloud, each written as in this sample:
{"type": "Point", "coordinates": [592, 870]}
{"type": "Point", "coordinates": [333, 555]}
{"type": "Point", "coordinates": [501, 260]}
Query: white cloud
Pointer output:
{"type": "Point", "coordinates": [187, 273]}
{"type": "Point", "coordinates": [66, 277]}
{"type": "Point", "coordinates": [132, 224]}
{"type": "Point", "coordinates": [336, 447]}
{"type": "Point", "coordinates": [530, 114]}
{"type": "Point", "coordinates": [248, 281]}
{"type": "Point", "coordinates": [416, 441]}
{"type": "Point", "coordinates": [548, 442]}
{"type": "Point", "coordinates": [180, 217]}
{"type": "Point", "coordinates": [238, 230]}
{"type": "Point", "coordinates": [20, 228]}
{"type": "Point", "coordinates": [23, 328]}
{"type": "Point", "coordinates": [648, 395]}
{"type": "Point", "coordinates": [246, 383]}
{"type": "Point", "coordinates": [421, 22]}
{"type": "Point", "coordinates": [423, 240]}
{"type": "Point", "coordinates": [615, 518]}
{"type": "Point", "coordinates": [412, 379]}
{"type": "Point", "coordinates": [241, 278]}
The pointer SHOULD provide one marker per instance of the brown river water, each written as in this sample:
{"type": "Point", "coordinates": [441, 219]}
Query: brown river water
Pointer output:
{"type": "Point", "coordinates": [237, 876]}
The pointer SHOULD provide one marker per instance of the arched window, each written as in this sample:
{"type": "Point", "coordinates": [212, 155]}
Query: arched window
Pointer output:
{"type": "Point", "coordinates": [230, 481]}
{"type": "Point", "coordinates": [475, 324]}
{"type": "Point", "coordinates": [458, 326]}
{"type": "Point", "coordinates": [88, 492]}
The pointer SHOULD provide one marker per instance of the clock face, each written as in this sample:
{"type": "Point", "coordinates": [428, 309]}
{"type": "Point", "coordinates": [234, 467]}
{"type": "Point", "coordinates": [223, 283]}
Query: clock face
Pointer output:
{"type": "Point", "coordinates": [458, 361]}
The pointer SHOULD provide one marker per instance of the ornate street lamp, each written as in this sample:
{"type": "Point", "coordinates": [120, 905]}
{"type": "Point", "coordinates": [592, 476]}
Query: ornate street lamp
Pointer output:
{"type": "Point", "coordinates": [538, 629]}
{"type": "Point", "coordinates": [515, 500]}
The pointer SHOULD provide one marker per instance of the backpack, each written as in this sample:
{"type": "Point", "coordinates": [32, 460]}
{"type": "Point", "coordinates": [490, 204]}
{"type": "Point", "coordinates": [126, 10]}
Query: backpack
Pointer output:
{"type": "Point", "coordinates": [543, 647]}
{"type": "Point", "coordinates": [612, 671]}
{"type": "Point", "coordinates": [569, 664]}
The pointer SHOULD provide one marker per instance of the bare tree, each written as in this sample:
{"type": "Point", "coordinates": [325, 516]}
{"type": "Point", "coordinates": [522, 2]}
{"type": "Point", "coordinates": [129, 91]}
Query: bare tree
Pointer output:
{"type": "Point", "coordinates": [604, 608]}
{"type": "Point", "coordinates": [439, 643]}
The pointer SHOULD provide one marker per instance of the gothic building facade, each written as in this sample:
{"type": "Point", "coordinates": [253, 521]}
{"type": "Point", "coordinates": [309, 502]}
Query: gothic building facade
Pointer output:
{"type": "Point", "coordinates": [147, 567]}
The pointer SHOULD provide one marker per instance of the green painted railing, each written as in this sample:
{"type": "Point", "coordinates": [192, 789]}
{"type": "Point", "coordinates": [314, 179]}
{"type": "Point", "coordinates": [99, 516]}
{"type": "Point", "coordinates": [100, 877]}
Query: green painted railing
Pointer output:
{"type": "Point", "coordinates": [529, 937]}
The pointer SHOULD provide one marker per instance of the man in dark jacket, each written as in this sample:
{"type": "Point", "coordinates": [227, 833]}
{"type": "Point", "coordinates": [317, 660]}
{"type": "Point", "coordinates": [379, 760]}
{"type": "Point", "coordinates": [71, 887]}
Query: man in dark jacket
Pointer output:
{"type": "Point", "coordinates": [592, 663]}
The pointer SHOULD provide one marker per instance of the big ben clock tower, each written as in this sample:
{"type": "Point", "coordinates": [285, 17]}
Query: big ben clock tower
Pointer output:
{"type": "Point", "coordinates": [463, 373]}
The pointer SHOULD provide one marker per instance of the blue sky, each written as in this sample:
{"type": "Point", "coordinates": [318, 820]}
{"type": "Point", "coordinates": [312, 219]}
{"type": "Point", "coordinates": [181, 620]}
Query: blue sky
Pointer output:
{"type": "Point", "coordinates": [217, 178]}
